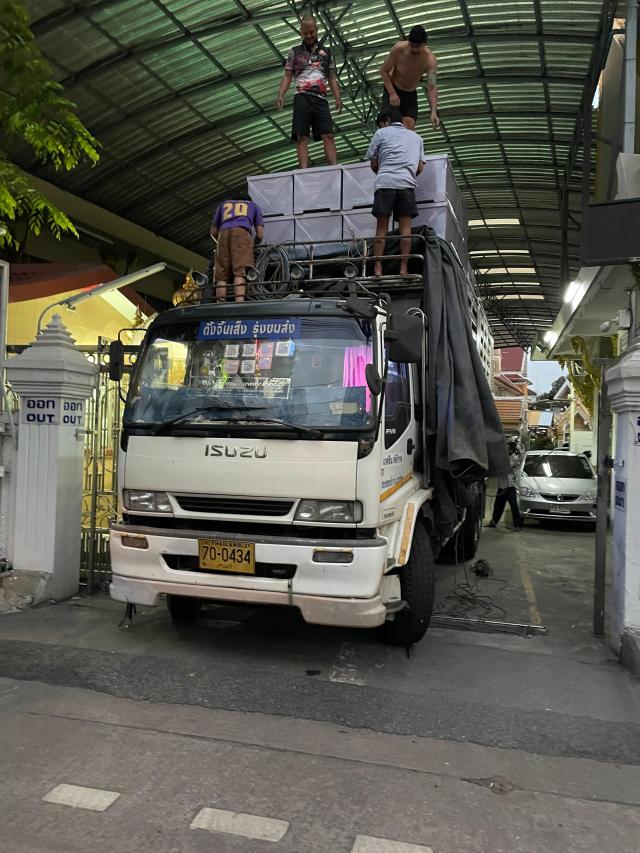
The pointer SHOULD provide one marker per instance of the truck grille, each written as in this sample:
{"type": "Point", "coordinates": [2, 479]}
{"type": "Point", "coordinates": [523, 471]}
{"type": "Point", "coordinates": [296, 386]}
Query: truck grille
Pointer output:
{"type": "Point", "coordinates": [559, 498]}
{"type": "Point", "coordinates": [233, 506]}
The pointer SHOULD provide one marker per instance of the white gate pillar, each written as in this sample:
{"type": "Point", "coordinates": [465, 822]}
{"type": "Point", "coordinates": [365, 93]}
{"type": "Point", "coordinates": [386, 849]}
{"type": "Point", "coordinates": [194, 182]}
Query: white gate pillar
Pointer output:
{"type": "Point", "coordinates": [623, 385]}
{"type": "Point", "coordinates": [53, 380]}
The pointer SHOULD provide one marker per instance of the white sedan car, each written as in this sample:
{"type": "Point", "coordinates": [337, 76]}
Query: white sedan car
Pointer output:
{"type": "Point", "coordinates": [557, 484]}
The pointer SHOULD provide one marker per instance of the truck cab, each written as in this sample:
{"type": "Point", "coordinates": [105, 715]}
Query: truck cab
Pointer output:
{"type": "Point", "coordinates": [273, 452]}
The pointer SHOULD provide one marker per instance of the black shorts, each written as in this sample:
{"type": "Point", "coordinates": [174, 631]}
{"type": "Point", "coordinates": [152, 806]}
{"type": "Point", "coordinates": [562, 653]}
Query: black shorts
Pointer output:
{"type": "Point", "coordinates": [398, 202]}
{"type": "Point", "coordinates": [310, 112]}
{"type": "Point", "coordinates": [408, 103]}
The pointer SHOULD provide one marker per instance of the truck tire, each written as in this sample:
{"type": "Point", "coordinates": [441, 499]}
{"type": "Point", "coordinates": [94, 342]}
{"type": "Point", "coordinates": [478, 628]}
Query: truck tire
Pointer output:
{"type": "Point", "coordinates": [469, 534]}
{"type": "Point", "coordinates": [417, 585]}
{"type": "Point", "coordinates": [183, 608]}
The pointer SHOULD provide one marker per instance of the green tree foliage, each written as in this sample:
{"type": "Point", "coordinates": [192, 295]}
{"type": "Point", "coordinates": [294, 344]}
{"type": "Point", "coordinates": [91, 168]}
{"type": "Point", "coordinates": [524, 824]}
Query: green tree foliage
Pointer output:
{"type": "Point", "coordinates": [34, 112]}
{"type": "Point", "coordinates": [555, 387]}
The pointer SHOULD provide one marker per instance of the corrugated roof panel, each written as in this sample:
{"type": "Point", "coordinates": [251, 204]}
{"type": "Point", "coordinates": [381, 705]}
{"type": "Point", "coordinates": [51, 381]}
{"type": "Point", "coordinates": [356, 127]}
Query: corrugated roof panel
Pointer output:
{"type": "Point", "coordinates": [127, 187]}
{"type": "Point", "coordinates": [435, 16]}
{"type": "Point", "coordinates": [134, 21]}
{"type": "Point", "coordinates": [523, 57]}
{"type": "Point", "coordinates": [39, 9]}
{"type": "Point", "coordinates": [519, 13]}
{"type": "Point", "coordinates": [512, 94]}
{"type": "Point", "coordinates": [255, 53]}
{"type": "Point", "coordinates": [192, 13]}
{"type": "Point", "coordinates": [577, 15]}
{"type": "Point", "coordinates": [126, 139]}
{"type": "Point", "coordinates": [131, 87]}
{"type": "Point", "coordinates": [208, 152]}
{"type": "Point", "coordinates": [78, 44]}
{"type": "Point", "coordinates": [95, 110]}
{"type": "Point", "coordinates": [180, 65]}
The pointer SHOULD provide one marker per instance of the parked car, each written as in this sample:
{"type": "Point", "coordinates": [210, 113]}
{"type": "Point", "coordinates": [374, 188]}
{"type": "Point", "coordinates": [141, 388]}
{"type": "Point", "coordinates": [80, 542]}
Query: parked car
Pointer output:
{"type": "Point", "coordinates": [557, 484]}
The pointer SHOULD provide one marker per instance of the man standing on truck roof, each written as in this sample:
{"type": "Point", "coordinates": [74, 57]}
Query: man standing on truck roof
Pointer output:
{"type": "Point", "coordinates": [314, 69]}
{"type": "Point", "coordinates": [407, 62]}
{"type": "Point", "coordinates": [232, 226]}
{"type": "Point", "coordinates": [397, 156]}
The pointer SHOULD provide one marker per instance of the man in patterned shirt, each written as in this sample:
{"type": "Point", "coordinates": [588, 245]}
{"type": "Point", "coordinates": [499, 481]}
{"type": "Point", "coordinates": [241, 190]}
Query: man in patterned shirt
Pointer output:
{"type": "Point", "coordinates": [314, 69]}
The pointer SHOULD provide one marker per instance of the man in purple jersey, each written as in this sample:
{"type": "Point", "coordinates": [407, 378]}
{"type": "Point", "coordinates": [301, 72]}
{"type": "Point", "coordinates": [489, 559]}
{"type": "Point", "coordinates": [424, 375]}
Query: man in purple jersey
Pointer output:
{"type": "Point", "coordinates": [232, 227]}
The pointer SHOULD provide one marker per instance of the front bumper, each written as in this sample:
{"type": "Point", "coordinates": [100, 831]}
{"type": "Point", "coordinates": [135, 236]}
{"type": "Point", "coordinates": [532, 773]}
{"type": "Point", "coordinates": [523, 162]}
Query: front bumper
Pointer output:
{"type": "Point", "coordinates": [539, 507]}
{"type": "Point", "coordinates": [325, 593]}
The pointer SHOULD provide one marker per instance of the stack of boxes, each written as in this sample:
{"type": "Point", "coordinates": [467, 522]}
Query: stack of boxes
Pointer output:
{"type": "Point", "coordinates": [334, 203]}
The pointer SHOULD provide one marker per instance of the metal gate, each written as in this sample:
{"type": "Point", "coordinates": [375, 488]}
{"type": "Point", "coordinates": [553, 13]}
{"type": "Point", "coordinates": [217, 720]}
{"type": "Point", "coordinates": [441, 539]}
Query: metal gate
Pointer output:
{"type": "Point", "coordinates": [99, 486]}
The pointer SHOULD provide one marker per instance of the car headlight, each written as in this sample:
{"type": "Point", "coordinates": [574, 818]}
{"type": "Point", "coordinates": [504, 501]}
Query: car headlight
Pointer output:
{"type": "Point", "coordinates": [330, 512]}
{"type": "Point", "coordinates": [146, 501]}
{"type": "Point", "coordinates": [526, 492]}
{"type": "Point", "coordinates": [591, 495]}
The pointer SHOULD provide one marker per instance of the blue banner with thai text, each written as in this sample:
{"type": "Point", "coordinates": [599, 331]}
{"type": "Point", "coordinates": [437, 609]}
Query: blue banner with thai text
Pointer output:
{"type": "Point", "coordinates": [264, 329]}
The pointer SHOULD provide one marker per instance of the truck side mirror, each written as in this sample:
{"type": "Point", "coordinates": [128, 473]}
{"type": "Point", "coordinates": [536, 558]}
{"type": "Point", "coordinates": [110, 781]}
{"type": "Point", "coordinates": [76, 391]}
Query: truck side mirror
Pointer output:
{"type": "Point", "coordinates": [374, 382]}
{"type": "Point", "coordinates": [116, 360]}
{"type": "Point", "coordinates": [405, 339]}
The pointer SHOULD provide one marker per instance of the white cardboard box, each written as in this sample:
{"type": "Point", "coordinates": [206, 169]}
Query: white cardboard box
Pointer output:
{"type": "Point", "coordinates": [272, 193]}
{"type": "Point", "coordinates": [317, 189]}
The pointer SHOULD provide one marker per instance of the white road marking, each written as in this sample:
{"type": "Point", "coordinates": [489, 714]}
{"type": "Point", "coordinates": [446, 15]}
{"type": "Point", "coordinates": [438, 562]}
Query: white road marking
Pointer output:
{"type": "Point", "coordinates": [246, 825]}
{"type": "Point", "coordinates": [369, 844]}
{"type": "Point", "coordinates": [344, 669]}
{"type": "Point", "coordinates": [79, 797]}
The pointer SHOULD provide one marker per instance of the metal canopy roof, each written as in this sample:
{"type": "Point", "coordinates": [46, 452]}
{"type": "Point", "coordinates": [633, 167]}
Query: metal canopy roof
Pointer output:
{"type": "Point", "coordinates": [181, 94]}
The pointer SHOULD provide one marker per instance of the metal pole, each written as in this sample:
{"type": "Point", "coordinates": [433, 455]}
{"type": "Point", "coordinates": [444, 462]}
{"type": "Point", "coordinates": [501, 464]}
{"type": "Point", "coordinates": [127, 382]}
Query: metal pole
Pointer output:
{"type": "Point", "coordinates": [95, 445]}
{"type": "Point", "coordinates": [630, 49]}
{"type": "Point", "coordinates": [602, 514]}
{"type": "Point", "coordinates": [564, 245]}
{"type": "Point", "coordinates": [586, 159]}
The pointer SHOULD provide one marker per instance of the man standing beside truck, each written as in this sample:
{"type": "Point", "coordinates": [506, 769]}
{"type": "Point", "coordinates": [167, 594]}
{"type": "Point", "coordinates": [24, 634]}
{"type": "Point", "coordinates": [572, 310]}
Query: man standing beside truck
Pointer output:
{"type": "Point", "coordinates": [397, 156]}
{"type": "Point", "coordinates": [314, 68]}
{"type": "Point", "coordinates": [232, 226]}
{"type": "Point", "coordinates": [407, 62]}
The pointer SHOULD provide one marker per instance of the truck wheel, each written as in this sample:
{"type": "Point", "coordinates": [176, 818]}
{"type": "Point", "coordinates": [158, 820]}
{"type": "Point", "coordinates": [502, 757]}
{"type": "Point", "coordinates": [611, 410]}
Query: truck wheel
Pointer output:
{"type": "Point", "coordinates": [183, 608]}
{"type": "Point", "coordinates": [417, 586]}
{"type": "Point", "coordinates": [468, 537]}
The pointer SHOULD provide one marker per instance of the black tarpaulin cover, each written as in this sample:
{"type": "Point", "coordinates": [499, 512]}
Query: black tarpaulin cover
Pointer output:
{"type": "Point", "coordinates": [461, 413]}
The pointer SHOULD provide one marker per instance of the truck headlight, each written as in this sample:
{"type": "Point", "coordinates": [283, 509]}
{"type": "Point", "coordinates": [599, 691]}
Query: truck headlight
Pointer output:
{"type": "Point", "coordinates": [591, 495]}
{"type": "Point", "coordinates": [146, 501]}
{"type": "Point", "coordinates": [330, 512]}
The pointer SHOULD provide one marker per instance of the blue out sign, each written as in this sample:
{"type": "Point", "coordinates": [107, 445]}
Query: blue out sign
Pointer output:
{"type": "Point", "coordinates": [51, 411]}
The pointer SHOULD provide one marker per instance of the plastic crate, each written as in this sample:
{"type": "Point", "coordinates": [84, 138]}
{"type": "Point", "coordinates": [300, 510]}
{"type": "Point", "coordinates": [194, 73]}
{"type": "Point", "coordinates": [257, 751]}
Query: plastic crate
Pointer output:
{"type": "Point", "coordinates": [279, 229]}
{"type": "Point", "coordinates": [358, 223]}
{"type": "Point", "coordinates": [318, 226]}
{"type": "Point", "coordinates": [437, 183]}
{"type": "Point", "coordinates": [272, 193]}
{"type": "Point", "coordinates": [441, 218]}
{"type": "Point", "coordinates": [317, 189]}
{"type": "Point", "coordinates": [357, 186]}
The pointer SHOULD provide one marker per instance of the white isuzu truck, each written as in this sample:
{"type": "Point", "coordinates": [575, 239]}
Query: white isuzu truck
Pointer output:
{"type": "Point", "coordinates": [315, 447]}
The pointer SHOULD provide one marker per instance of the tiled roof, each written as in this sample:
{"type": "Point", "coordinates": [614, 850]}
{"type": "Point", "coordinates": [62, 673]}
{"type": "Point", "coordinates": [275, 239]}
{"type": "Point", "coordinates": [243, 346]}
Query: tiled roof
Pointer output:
{"type": "Point", "coordinates": [509, 410]}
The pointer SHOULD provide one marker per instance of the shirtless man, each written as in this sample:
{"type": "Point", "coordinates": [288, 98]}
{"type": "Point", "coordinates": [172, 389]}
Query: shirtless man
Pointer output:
{"type": "Point", "coordinates": [402, 71]}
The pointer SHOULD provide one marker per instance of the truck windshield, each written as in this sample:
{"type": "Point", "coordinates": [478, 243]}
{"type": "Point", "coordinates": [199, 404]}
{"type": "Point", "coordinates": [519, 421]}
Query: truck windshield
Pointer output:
{"type": "Point", "coordinates": [304, 371]}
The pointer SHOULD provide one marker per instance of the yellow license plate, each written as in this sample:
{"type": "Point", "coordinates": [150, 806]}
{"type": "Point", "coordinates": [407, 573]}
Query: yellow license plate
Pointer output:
{"type": "Point", "coordinates": [220, 555]}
